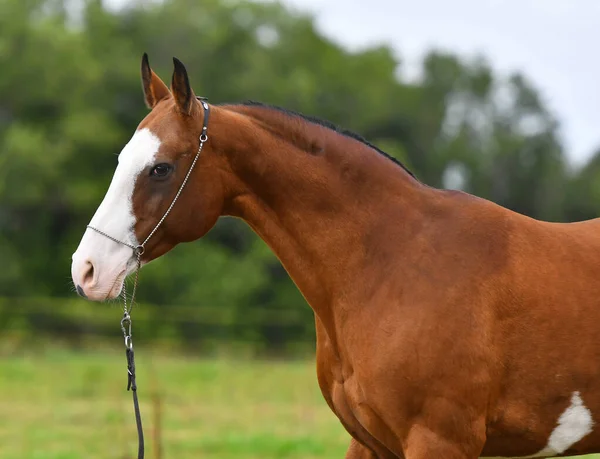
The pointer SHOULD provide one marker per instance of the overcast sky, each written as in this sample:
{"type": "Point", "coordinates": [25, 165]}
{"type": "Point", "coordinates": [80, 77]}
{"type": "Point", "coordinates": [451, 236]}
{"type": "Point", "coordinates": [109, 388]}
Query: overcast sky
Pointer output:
{"type": "Point", "coordinates": [554, 42]}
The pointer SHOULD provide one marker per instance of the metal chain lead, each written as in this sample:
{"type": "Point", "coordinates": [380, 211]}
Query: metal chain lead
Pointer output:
{"type": "Point", "coordinates": [126, 320]}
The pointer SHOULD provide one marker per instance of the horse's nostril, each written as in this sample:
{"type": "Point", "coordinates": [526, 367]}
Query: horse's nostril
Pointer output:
{"type": "Point", "coordinates": [88, 276]}
{"type": "Point", "coordinates": [81, 292]}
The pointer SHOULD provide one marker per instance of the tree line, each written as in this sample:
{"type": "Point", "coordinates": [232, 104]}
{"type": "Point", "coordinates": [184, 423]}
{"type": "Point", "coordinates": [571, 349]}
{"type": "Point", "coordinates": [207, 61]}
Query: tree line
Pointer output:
{"type": "Point", "coordinates": [70, 98]}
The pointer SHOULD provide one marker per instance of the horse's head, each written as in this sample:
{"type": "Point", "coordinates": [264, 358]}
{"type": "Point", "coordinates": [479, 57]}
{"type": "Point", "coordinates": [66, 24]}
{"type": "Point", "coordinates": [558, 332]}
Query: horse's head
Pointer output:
{"type": "Point", "coordinates": [151, 169]}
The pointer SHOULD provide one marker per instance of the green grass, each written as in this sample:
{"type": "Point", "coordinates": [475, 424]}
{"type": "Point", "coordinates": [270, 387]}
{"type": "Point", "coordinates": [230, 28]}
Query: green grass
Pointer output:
{"type": "Point", "coordinates": [65, 405]}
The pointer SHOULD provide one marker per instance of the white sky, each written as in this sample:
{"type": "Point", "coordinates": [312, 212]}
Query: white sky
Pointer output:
{"type": "Point", "coordinates": [553, 42]}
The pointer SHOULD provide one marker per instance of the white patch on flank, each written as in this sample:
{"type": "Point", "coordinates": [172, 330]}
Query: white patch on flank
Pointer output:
{"type": "Point", "coordinates": [115, 215]}
{"type": "Point", "coordinates": [575, 423]}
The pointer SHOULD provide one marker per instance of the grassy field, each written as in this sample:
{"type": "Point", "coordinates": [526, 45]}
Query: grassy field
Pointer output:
{"type": "Point", "coordinates": [63, 405]}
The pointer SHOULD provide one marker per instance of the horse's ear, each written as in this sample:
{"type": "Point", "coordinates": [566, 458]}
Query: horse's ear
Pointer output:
{"type": "Point", "coordinates": [154, 88]}
{"type": "Point", "coordinates": [181, 89]}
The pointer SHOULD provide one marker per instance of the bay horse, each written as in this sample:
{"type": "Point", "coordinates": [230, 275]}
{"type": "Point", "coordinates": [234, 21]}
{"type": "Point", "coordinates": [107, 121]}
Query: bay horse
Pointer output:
{"type": "Point", "coordinates": [447, 326]}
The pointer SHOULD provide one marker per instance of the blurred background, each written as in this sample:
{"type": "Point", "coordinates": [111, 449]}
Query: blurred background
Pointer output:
{"type": "Point", "coordinates": [497, 98]}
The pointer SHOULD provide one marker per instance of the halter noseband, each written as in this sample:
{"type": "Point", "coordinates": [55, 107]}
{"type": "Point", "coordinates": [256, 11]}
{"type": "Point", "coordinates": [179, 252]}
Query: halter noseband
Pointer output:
{"type": "Point", "coordinates": [138, 251]}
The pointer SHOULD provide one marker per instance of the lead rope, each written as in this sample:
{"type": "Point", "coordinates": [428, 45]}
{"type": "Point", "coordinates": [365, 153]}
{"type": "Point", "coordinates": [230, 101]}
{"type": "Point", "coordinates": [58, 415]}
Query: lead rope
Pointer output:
{"type": "Point", "coordinates": [138, 251]}
{"type": "Point", "coordinates": [126, 329]}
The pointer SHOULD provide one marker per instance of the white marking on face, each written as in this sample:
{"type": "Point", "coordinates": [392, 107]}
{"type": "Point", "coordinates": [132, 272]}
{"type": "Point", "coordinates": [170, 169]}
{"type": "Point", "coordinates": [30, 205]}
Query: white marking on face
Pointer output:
{"type": "Point", "coordinates": [115, 217]}
{"type": "Point", "coordinates": [115, 214]}
{"type": "Point", "coordinates": [573, 424]}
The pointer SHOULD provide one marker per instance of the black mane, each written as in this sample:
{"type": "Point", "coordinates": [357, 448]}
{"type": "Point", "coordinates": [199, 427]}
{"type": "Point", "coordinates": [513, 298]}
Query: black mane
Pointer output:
{"type": "Point", "coordinates": [328, 125]}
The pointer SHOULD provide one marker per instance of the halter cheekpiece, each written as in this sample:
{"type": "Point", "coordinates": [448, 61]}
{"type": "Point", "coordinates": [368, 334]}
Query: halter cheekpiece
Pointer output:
{"type": "Point", "coordinates": [138, 251]}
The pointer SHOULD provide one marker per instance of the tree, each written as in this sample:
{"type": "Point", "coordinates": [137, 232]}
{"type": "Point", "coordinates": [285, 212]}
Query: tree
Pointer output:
{"type": "Point", "coordinates": [70, 98]}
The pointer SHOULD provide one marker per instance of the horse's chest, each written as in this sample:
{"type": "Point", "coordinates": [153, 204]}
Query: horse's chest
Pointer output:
{"type": "Point", "coordinates": [343, 393]}
{"type": "Point", "coordinates": [343, 397]}
{"type": "Point", "coordinates": [331, 379]}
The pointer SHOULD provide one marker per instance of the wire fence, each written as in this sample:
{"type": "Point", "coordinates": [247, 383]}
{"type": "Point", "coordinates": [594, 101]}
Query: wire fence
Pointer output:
{"type": "Point", "coordinates": [204, 330]}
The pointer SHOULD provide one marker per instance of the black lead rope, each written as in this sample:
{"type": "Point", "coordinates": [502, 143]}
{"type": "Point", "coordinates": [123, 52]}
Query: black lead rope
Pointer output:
{"type": "Point", "coordinates": [131, 383]}
{"type": "Point", "coordinates": [136, 405]}
{"type": "Point", "coordinates": [138, 251]}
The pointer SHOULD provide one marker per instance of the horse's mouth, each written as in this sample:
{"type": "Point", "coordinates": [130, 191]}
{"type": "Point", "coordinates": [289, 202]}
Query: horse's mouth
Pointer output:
{"type": "Point", "coordinates": [117, 286]}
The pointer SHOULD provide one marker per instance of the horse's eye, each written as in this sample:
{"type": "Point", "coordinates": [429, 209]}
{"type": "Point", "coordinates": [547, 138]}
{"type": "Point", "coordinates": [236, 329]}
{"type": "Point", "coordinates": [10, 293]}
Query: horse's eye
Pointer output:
{"type": "Point", "coordinates": [160, 170]}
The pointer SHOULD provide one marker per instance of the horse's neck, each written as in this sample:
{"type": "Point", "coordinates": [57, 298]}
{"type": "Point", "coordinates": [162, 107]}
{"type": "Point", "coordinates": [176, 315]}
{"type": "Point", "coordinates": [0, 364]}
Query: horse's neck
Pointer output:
{"type": "Point", "coordinates": [324, 212]}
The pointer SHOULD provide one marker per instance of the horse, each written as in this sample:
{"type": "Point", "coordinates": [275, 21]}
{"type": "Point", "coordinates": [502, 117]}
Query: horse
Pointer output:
{"type": "Point", "coordinates": [447, 326]}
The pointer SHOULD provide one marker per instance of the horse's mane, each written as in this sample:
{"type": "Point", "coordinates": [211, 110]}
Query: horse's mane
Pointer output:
{"type": "Point", "coordinates": [328, 125]}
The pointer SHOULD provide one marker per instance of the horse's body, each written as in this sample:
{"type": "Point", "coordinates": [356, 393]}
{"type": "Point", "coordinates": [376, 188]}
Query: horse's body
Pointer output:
{"type": "Point", "coordinates": [447, 326]}
{"type": "Point", "coordinates": [490, 349]}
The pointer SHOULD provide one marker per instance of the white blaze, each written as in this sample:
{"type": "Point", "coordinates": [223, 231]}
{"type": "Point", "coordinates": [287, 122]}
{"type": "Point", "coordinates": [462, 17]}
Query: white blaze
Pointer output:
{"type": "Point", "coordinates": [115, 214]}
{"type": "Point", "coordinates": [115, 217]}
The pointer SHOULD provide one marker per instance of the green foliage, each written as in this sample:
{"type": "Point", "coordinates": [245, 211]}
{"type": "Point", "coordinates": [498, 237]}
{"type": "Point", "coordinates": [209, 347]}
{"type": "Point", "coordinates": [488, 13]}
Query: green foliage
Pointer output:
{"type": "Point", "coordinates": [70, 98]}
